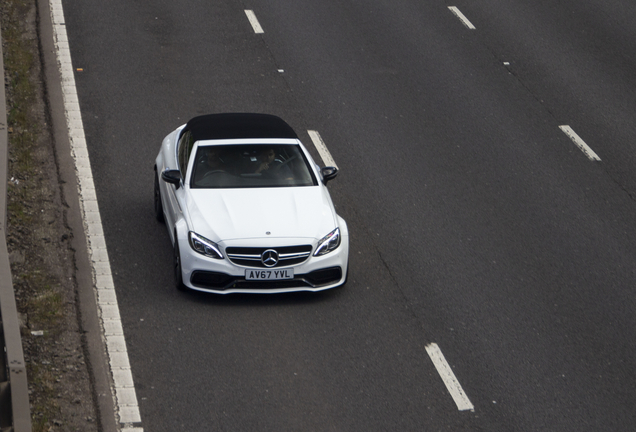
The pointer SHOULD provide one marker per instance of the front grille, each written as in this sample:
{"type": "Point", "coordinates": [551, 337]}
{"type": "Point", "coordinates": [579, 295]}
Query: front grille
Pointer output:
{"type": "Point", "coordinates": [251, 256]}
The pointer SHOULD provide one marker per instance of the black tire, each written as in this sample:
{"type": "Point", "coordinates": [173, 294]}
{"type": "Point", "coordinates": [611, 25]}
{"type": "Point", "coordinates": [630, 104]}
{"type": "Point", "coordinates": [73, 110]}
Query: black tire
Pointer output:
{"type": "Point", "coordinates": [157, 201]}
{"type": "Point", "coordinates": [158, 206]}
{"type": "Point", "coordinates": [176, 264]}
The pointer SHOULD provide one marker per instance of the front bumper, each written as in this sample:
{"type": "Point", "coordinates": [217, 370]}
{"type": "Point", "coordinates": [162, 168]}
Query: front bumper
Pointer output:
{"type": "Point", "coordinates": [201, 273]}
{"type": "Point", "coordinates": [314, 281]}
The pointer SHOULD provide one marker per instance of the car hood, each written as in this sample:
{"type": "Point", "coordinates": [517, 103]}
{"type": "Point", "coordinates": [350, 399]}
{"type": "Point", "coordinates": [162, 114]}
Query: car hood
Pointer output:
{"type": "Point", "coordinates": [288, 212]}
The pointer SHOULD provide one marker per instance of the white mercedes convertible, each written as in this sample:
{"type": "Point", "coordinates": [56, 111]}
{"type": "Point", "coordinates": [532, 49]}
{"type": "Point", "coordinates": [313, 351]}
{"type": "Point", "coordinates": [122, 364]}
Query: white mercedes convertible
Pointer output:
{"type": "Point", "coordinates": [247, 208]}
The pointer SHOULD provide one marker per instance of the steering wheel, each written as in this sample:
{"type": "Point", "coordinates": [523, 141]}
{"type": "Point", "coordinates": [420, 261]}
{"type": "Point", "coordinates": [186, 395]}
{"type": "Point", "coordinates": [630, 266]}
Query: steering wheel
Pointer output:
{"type": "Point", "coordinates": [207, 178]}
{"type": "Point", "coordinates": [211, 173]}
{"type": "Point", "coordinates": [280, 165]}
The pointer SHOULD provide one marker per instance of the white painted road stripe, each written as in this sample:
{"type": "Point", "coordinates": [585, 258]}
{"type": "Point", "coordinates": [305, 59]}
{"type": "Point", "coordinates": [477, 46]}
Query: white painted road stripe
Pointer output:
{"type": "Point", "coordinates": [580, 143]}
{"type": "Point", "coordinates": [123, 387]}
{"type": "Point", "coordinates": [322, 148]}
{"type": "Point", "coordinates": [445, 371]}
{"type": "Point", "coordinates": [461, 17]}
{"type": "Point", "coordinates": [251, 16]}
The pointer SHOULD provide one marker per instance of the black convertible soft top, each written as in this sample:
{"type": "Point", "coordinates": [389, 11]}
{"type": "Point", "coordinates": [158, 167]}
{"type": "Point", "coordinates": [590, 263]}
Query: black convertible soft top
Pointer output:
{"type": "Point", "coordinates": [238, 125]}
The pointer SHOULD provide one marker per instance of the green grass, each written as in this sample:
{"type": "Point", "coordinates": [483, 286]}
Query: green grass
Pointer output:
{"type": "Point", "coordinates": [44, 409]}
{"type": "Point", "coordinates": [44, 306]}
{"type": "Point", "coordinates": [18, 64]}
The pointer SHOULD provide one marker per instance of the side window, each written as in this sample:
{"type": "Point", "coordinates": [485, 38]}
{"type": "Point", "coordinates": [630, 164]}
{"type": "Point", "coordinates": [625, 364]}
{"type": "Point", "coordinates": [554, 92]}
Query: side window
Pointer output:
{"type": "Point", "coordinates": [185, 148]}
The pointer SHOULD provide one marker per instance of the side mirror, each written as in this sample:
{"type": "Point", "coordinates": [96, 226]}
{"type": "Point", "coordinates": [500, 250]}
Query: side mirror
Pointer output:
{"type": "Point", "coordinates": [328, 173]}
{"type": "Point", "coordinates": [172, 176]}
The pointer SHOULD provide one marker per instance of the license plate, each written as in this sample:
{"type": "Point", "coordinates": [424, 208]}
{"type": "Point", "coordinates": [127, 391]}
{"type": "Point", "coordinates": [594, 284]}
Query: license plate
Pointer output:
{"type": "Point", "coordinates": [269, 274]}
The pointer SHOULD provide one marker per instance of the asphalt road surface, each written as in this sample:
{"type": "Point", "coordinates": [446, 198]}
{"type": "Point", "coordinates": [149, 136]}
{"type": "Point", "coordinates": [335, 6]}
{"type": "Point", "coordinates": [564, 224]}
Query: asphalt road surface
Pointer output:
{"type": "Point", "coordinates": [476, 223]}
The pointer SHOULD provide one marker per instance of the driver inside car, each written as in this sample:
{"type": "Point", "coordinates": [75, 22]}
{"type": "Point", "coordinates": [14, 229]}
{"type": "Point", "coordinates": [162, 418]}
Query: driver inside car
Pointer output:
{"type": "Point", "coordinates": [211, 162]}
{"type": "Point", "coordinates": [271, 165]}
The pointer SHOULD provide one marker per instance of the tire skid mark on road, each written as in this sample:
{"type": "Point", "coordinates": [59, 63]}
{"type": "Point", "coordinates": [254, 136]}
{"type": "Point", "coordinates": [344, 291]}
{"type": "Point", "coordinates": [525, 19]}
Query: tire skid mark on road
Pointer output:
{"type": "Point", "coordinates": [123, 389]}
{"type": "Point", "coordinates": [576, 139]}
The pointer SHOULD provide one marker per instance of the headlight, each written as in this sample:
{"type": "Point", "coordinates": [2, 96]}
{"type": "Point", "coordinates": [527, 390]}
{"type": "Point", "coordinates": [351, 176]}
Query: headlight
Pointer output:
{"type": "Point", "coordinates": [328, 243]}
{"type": "Point", "coordinates": [204, 246]}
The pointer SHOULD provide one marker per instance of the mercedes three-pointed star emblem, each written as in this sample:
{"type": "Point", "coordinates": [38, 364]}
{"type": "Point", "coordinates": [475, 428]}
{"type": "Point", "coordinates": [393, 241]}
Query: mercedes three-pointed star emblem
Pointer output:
{"type": "Point", "coordinates": [269, 258]}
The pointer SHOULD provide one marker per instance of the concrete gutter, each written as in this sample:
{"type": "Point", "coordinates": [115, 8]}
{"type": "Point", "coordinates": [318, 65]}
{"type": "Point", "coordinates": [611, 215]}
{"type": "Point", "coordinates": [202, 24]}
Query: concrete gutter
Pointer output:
{"type": "Point", "coordinates": [14, 391]}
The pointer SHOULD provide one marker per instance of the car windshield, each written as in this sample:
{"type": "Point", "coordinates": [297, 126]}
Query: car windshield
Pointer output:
{"type": "Point", "coordinates": [251, 166]}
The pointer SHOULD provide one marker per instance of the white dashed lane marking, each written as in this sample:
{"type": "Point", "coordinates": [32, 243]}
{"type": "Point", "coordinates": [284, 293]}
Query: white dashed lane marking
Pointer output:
{"type": "Point", "coordinates": [322, 148]}
{"type": "Point", "coordinates": [461, 17]}
{"type": "Point", "coordinates": [449, 378]}
{"type": "Point", "coordinates": [251, 16]}
{"type": "Point", "coordinates": [580, 143]}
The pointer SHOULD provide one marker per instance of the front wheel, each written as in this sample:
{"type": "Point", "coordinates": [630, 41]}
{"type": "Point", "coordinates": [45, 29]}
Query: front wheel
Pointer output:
{"type": "Point", "coordinates": [178, 274]}
{"type": "Point", "coordinates": [158, 205]}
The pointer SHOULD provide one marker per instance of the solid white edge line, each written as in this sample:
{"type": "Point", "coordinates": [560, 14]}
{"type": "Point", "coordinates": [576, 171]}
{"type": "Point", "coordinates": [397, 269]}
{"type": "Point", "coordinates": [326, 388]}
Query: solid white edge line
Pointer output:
{"type": "Point", "coordinates": [322, 148]}
{"type": "Point", "coordinates": [251, 16]}
{"type": "Point", "coordinates": [123, 391]}
{"type": "Point", "coordinates": [461, 17]}
{"type": "Point", "coordinates": [447, 375]}
{"type": "Point", "coordinates": [580, 143]}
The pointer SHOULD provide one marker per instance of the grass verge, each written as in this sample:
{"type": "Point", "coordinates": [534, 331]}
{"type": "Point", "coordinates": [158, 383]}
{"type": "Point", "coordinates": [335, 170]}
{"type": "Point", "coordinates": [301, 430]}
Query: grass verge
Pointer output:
{"type": "Point", "coordinates": [36, 235]}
